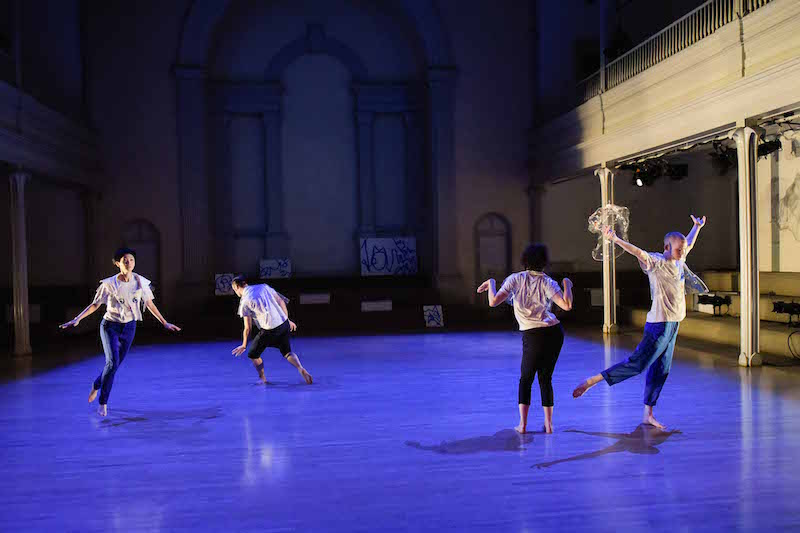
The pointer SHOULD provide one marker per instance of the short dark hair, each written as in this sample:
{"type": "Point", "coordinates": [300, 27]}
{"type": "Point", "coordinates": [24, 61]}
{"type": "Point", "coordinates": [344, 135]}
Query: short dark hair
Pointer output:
{"type": "Point", "coordinates": [239, 281]}
{"type": "Point", "coordinates": [534, 257]}
{"type": "Point", "coordinates": [121, 252]}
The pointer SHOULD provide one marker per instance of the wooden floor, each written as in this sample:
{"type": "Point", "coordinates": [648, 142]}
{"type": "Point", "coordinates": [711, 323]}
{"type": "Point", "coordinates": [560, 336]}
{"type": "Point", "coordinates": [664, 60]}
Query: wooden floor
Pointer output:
{"type": "Point", "coordinates": [398, 433]}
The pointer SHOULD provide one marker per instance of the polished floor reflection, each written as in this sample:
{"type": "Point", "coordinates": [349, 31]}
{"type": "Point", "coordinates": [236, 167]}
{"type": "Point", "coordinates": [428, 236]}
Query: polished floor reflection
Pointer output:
{"type": "Point", "coordinates": [398, 433]}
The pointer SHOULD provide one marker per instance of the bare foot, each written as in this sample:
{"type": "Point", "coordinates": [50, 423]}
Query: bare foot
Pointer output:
{"type": "Point", "coordinates": [93, 394]}
{"type": "Point", "coordinates": [547, 429]}
{"type": "Point", "coordinates": [306, 375]}
{"type": "Point", "coordinates": [520, 429]}
{"type": "Point", "coordinates": [102, 410]}
{"type": "Point", "coordinates": [653, 422]}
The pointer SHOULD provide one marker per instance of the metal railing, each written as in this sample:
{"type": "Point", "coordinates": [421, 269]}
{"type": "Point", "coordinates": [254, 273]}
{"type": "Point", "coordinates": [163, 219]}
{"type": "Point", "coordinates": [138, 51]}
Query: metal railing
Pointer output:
{"type": "Point", "coordinates": [681, 34]}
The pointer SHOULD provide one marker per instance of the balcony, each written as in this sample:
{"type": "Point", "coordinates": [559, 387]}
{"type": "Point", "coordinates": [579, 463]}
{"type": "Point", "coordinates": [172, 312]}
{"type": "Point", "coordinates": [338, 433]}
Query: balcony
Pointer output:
{"type": "Point", "coordinates": [724, 62]}
{"type": "Point", "coordinates": [681, 34]}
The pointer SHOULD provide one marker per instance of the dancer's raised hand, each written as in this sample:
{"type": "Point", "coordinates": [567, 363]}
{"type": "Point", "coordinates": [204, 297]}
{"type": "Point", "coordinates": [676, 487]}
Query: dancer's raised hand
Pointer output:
{"type": "Point", "coordinates": [699, 222]}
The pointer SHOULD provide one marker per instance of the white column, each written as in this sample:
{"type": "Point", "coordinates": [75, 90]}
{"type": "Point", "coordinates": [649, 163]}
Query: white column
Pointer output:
{"type": "Point", "coordinates": [415, 173]}
{"type": "Point", "coordinates": [19, 259]}
{"type": "Point", "coordinates": [609, 259]}
{"type": "Point", "coordinates": [749, 322]}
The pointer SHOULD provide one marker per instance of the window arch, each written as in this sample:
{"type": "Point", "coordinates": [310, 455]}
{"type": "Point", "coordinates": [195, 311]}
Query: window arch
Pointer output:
{"type": "Point", "coordinates": [492, 247]}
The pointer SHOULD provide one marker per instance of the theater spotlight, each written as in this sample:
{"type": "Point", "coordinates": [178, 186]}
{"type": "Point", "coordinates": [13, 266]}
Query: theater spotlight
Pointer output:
{"type": "Point", "coordinates": [790, 308]}
{"type": "Point", "coordinates": [647, 172]}
{"type": "Point", "coordinates": [767, 147]}
{"type": "Point", "coordinates": [716, 301]}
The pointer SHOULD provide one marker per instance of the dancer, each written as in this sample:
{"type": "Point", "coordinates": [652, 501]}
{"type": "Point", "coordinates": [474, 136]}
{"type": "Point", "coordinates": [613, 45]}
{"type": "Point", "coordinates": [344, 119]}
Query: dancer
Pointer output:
{"type": "Point", "coordinates": [667, 278]}
{"type": "Point", "coordinates": [532, 292]}
{"type": "Point", "coordinates": [262, 304]}
{"type": "Point", "coordinates": [125, 296]}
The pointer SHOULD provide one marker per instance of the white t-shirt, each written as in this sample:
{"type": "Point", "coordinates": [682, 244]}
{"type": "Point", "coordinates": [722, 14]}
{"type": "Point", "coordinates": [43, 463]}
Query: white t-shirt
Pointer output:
{"type": "Point", "coordinates": [260, 302]}
{"type": "Point", "coordinates": [532, 295]}
{"type": "Point", "coordinates": [666, 288]}
{"type": "Point", "coordinates": [124, 300]}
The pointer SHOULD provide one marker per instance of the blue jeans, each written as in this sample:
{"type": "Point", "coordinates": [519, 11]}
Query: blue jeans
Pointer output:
{"type": "Point", "coordinates": [117, 339]}
{"type": "Point", "coordinates": [655, 351]}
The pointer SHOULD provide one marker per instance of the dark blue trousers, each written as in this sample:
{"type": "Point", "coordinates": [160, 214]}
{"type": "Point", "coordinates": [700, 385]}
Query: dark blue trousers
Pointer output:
{"type": "Point", "coordinates": [117, 339]}
{"type": "Point", "coordinates": [655, 352]}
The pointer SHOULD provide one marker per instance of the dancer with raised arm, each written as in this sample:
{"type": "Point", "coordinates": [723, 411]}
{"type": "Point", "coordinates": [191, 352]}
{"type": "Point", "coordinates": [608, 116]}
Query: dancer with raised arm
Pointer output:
{"type": "Point", "coordinates": [666, 273]}
{"type": "Point", "coordinates": [532, 293]}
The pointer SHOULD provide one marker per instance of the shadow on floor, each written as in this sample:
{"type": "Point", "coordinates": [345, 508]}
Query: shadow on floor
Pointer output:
{"type": "Point", "coordinates": [506, 440]}
{"type": "Point", "coordinates": [644, 440]}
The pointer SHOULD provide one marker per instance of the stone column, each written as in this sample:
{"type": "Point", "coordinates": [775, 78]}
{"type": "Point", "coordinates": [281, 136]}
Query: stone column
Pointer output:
{"type": "Point", "coordinates": [749, 322]}
{"type": "Point", "coordinates": [222, 205]}
{"type": "Point", "coordinates": [449, 280]}
{"type": "Point", "coordinates": [19, 263]}
{"type": "Point", "coordinates": [609, 258]}
{"type": "Point", "coordinates": [415, 173]}
{"type": "Point", "coordinates": [192, 172]}
{"type": "Point", "coordinates": [277, 240]}
{"type": "Point", "coordinates": [365, 121]}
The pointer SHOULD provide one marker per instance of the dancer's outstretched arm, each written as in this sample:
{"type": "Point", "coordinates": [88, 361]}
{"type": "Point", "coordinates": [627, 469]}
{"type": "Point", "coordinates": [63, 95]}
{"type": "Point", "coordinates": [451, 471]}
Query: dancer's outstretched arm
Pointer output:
{"type": "Point", "coordinates": [692, 237]}
{"type": "Point", "coordinates": [638, 253]}
{"type": "Point", "coordinates": [495, 298]}
{"type": "Point", "coordinates": [91, 308]}
{"type": "Point", "coordinates": [248, 324]}
{"type": "Point", "coordinates": [156, 313]}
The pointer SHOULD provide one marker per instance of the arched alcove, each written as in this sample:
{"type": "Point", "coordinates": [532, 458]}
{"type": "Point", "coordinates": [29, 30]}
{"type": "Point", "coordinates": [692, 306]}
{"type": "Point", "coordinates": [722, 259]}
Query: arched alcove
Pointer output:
{"type": "Point", "coordinates": [492, 247]}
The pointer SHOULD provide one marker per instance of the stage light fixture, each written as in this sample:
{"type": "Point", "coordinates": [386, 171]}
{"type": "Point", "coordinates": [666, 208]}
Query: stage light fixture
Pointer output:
{"type": "Point", "coordinates": [645, 173]}
{"type": "Point", "coordinates": [716, 301]}
{"type": "Point", "coordinates": [767, 147]}
{"type": "Point", "coordinates": [787, 308]}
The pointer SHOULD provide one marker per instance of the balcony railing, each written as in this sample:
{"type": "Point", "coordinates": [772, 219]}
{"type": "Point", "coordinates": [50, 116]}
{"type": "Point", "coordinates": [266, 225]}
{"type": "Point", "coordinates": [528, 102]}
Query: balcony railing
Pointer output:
{"type": "Point", "coordinates": [681, 34]}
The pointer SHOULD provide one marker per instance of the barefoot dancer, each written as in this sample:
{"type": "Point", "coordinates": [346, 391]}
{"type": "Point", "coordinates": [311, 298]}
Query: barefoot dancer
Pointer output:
{"type": "Point", "coordinates": [260, 303]}
{"type": "Point", "coordinates": [125, 297]}
{"type": "Point", "coordinates": [666, 274]}
{"type": "Point", "coordinates": [532, 293]}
